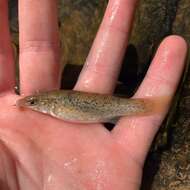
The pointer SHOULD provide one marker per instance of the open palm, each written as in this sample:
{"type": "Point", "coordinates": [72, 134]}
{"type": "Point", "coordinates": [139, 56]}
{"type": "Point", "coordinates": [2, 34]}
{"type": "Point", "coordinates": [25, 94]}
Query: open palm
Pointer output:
{"type": "Point", "coordinates": [40, 152]}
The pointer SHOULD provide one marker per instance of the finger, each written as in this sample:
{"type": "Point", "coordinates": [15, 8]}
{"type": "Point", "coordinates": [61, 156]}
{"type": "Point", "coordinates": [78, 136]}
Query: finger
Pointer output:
{"type": "Point", "coordinates": [103, 64]}
{"type": "Point", "coordinates": [39, 45]}
{"type": "Point", "coordinates": [136, 135]}
{"type": "Point", "coordinates": [7, 77]}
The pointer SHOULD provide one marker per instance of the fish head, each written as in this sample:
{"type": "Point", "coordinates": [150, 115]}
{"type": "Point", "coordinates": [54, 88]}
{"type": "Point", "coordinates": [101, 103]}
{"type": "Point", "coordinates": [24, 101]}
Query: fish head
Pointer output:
{"type": "Point", "coordinates": [39, 103]}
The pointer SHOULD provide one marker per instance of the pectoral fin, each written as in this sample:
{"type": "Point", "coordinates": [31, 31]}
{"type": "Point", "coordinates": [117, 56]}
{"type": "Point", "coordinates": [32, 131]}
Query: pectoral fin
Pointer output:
{"type": "Point", "coordinates": [113, 120]}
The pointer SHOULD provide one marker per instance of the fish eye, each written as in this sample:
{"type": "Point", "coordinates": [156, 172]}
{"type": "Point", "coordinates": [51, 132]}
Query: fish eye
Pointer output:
{"type": "Point", "coordinates": [32, 101]}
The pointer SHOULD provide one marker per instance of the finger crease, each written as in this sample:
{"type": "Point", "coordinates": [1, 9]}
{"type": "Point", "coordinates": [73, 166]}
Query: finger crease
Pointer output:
{"type": "Point", "coordinates": [39, 46]}
{"type": "Point", "coordinates": [161, 80]}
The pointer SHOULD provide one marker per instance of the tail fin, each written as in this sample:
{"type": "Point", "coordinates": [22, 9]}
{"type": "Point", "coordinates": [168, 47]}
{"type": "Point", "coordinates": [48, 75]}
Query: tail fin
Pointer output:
{"type": "Point", "coordinates": [156, 105]}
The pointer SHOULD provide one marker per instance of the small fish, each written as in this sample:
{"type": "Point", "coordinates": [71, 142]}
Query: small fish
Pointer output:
{"type": "Point", "coordinates": [83, 107]}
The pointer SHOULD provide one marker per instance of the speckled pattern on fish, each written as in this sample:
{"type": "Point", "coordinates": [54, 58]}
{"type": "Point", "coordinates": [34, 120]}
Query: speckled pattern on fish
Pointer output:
{"type": "Point", "coordinates": [84, 107]}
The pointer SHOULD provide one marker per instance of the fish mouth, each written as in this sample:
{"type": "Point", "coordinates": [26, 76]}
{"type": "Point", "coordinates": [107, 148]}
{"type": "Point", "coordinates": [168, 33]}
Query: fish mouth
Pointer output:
{"type": "Point", "coordinates": [21, 102]}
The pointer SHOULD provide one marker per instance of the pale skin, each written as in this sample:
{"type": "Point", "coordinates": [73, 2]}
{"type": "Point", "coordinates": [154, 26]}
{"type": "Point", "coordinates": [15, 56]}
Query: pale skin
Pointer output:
{"type": "Point", "coordinates": [40, 152]}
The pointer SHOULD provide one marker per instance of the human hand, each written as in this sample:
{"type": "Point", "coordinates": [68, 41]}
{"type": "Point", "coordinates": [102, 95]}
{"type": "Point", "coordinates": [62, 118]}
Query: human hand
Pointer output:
{"type": "Point", "coordinates": [40, 152]}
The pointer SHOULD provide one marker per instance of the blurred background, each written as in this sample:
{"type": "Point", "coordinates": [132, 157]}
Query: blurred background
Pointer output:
{"type": "Point", "coordinates": [168, 163]}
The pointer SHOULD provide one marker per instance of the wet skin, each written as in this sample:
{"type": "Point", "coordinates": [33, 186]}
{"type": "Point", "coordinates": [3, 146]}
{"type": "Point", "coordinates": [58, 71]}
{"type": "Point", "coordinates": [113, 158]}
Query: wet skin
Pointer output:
{"type": "Point", "coordinates": [37, 149]}
{"type": "Point", "coordinates": [41, 152]}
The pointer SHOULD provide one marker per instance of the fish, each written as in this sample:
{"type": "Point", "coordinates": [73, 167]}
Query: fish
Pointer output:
{"type": "Point", "coordinates": [85, 107]}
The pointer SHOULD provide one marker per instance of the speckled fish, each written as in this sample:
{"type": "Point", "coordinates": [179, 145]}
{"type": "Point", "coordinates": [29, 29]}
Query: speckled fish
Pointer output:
{"type": "Point", "coordinates": [83, 107]}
